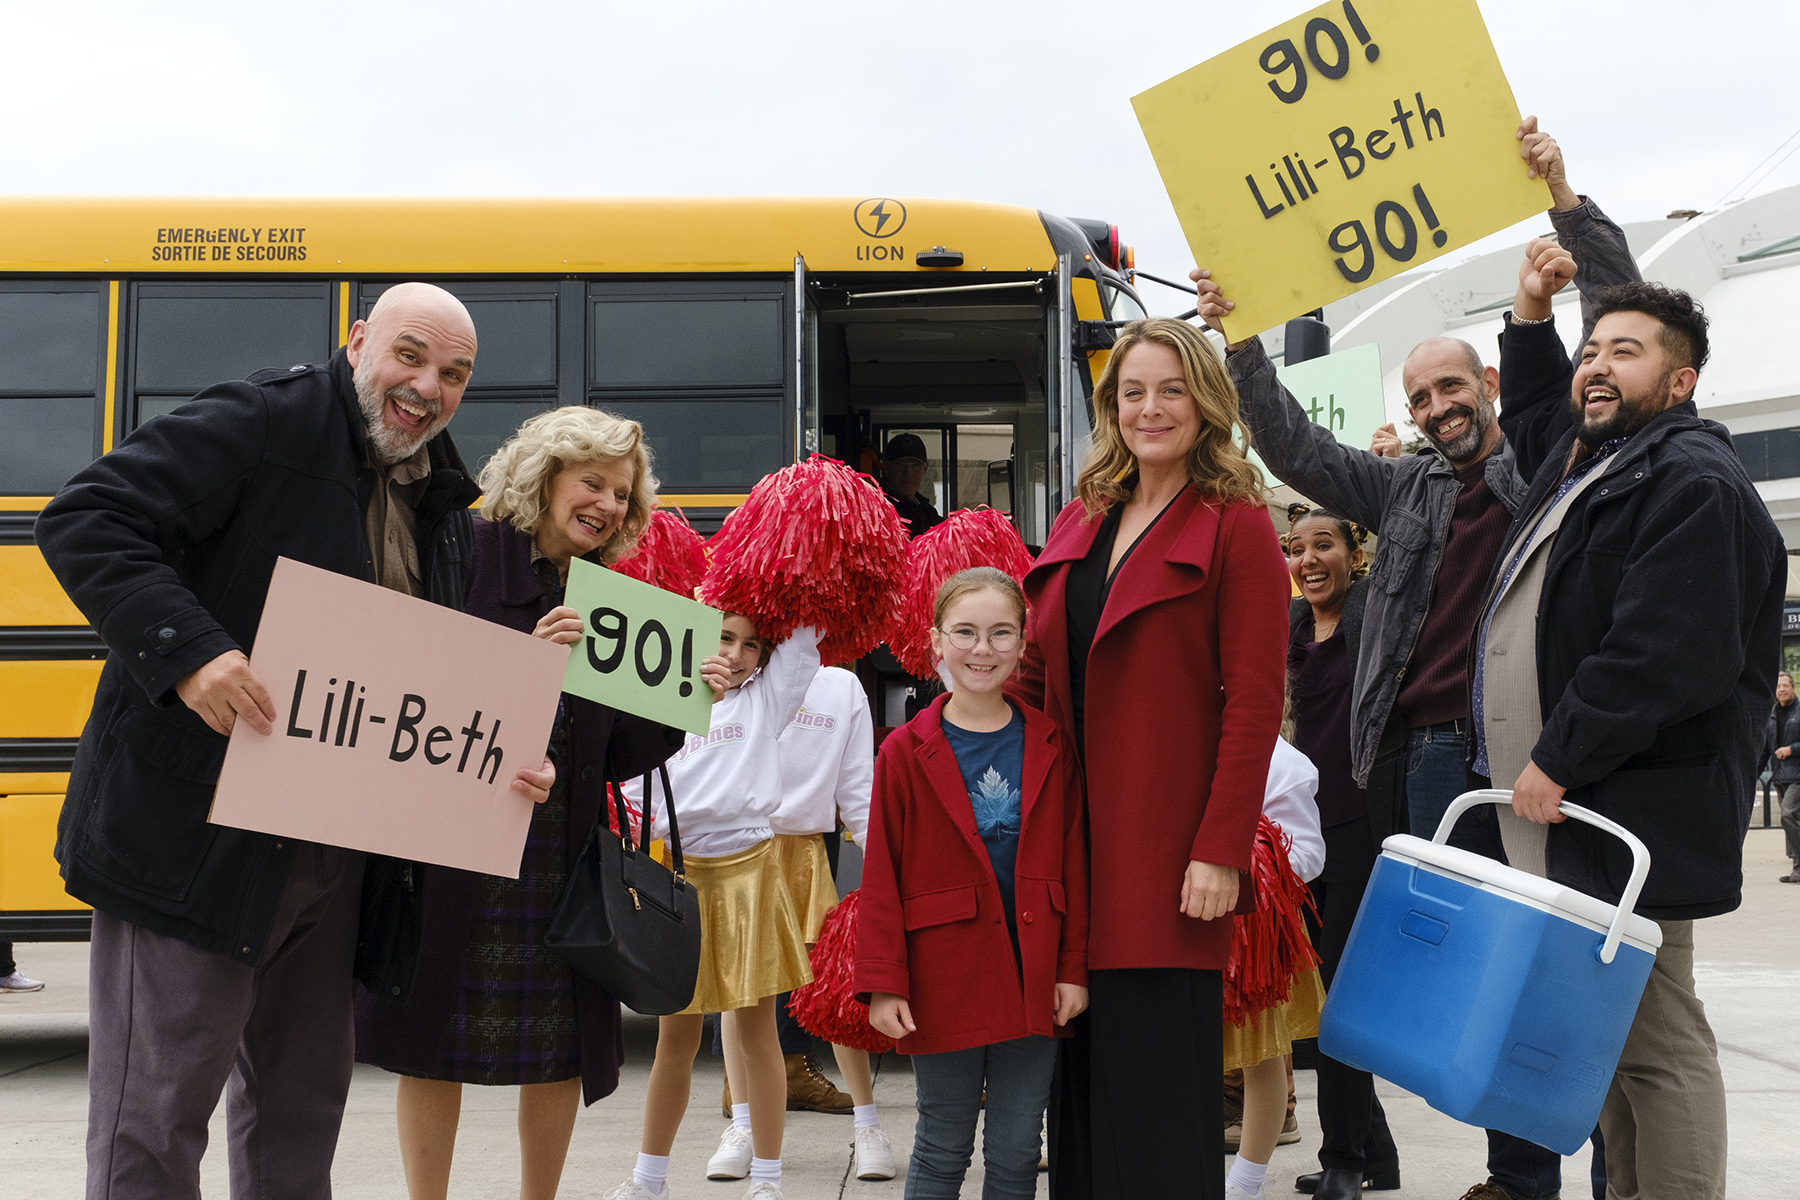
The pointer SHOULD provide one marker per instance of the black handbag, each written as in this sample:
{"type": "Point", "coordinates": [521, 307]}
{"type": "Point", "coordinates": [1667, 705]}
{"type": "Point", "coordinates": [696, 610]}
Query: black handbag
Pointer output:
{"type": "Point", "coordinates": [628, 923]}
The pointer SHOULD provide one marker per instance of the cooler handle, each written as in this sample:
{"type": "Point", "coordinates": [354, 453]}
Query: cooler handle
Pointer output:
{"type": "Point", "coordinates": [1640, 854]}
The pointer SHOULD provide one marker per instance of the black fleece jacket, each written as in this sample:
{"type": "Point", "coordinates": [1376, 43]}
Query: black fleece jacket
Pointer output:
{"type": "Point", "coordinates": [167, 545]}
{"type": "Point", "coordinates": [1659, 631]}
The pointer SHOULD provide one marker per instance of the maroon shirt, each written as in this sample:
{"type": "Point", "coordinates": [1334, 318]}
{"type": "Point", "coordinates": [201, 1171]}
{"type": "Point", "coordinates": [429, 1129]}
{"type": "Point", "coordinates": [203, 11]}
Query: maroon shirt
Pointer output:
{"type": "Point", "coordinates": [1436, 687]}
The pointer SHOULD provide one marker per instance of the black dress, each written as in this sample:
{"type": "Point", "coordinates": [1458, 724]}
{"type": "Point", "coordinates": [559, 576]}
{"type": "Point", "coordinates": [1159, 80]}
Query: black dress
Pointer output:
{"type": "Point", "coordinates": [1134, 1105]}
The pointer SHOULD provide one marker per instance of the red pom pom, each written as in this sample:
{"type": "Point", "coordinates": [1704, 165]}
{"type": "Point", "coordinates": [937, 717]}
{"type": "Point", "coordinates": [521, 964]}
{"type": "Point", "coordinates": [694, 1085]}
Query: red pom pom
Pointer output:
{"type": "Point", "coordinates": [668, 555]}
{"type": "Point", "coordinates": [814, 544]}
{"type": "Point", "coordinates": [969, 537]}
{"type": "Point", "coordinates": [827, 1007]}
{"type": "Point", "coordinates": [1269, 947]}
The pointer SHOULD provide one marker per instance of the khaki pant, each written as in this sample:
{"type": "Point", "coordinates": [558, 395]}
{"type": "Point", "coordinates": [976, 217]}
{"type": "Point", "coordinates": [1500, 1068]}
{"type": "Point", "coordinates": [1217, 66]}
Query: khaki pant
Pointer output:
{"type": "Point", "coordinates": [1664, 1116]}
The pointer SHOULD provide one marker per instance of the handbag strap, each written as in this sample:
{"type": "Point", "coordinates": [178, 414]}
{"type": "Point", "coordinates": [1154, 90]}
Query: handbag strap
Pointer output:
{"type": "Point", "coordinates": [669, 806]}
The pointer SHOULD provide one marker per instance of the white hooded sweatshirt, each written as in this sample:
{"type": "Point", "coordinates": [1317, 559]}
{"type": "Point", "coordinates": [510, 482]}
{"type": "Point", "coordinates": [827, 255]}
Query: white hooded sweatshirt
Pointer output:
{"type": "Point", "coordinates": [828, 759]}
{"type": "Point", "coordinates": [728, 784]}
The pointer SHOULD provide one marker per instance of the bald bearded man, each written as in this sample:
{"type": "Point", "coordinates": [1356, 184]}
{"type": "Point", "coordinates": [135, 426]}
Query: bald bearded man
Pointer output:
{"type": "Point", "coordinates": [222, 959]}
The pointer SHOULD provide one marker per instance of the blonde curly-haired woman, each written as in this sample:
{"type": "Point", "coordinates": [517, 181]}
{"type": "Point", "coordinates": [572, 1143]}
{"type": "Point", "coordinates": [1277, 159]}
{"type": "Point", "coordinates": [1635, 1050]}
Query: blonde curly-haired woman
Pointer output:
{"type": "Point", "coordinates": [490, 1004]}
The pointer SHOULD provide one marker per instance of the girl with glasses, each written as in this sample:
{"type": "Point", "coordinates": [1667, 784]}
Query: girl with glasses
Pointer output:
{"type": "Point", "coordinates": [972, 936]}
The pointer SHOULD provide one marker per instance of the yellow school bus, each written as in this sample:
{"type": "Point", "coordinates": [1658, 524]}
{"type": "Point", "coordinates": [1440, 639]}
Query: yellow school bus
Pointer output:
{"type": "Point", "coordinates": [743, 334]}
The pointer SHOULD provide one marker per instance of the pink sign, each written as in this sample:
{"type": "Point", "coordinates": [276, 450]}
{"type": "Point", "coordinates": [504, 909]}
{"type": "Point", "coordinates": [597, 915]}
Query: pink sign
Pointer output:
{"type": "Point", "coordinates": [399, 725]}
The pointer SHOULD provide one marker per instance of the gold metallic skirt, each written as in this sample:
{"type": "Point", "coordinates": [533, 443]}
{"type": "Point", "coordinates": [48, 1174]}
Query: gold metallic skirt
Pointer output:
{"type": "Point", "coordinates": [1274, 1031]}
{"type": "Point", "coordinates": [751, 943]}
{"type": "Point", "coordinates": [807, 869]}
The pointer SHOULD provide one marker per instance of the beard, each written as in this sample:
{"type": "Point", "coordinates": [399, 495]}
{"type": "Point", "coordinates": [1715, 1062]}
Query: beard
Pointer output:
{"type": "Point", "coordinates": [1467, 444]}
{"type": "Point", "coordinates": [1628, 416]}
{"type": "Point", "coordinates": [393, 445]}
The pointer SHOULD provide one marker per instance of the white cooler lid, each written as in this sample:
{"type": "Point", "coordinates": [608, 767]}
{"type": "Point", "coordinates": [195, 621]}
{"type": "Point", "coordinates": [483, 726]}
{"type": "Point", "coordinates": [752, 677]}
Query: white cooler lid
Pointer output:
{"type": "Point", "coordinates": [1488, 875]}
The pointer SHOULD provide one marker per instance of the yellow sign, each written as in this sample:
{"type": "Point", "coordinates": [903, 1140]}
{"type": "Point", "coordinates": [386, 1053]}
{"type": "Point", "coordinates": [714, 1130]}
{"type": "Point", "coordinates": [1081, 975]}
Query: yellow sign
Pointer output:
{"type": "Point", "coordinates": [1338, 149]}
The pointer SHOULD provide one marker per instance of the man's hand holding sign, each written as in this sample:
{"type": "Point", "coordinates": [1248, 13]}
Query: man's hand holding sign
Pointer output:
{"type": "Point", "coordinates": [1338, 149]}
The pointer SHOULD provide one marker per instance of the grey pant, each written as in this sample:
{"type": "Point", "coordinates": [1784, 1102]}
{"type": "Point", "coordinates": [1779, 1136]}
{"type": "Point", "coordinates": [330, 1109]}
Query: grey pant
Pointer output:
{"type": "Point", "coordinates": [170, 1026]}
{"type": "Point", "coordinates": [1664, 1116]}
{"type": "Point", "coordinates": [1790, 820]}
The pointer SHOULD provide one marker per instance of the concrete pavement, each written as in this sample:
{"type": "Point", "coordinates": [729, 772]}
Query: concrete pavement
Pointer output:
{"type": "Point", "coordinates": [1749, 977]}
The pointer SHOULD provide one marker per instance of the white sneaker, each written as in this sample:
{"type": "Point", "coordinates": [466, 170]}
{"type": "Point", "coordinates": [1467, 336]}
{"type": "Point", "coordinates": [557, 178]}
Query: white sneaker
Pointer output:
{"type": "Point", "coordinates": [17, 982]}
{"type": "Point", "coordinates": [874, 1155]}
{"type": "Point", "coordinates": [764, 1191]}
{"type": "Point", "coordinates": [1235, 1192]}
{"type": "Point", "coordinates": [631, 1189]}
{"type": "Point", "coordinates": [732, 1160]}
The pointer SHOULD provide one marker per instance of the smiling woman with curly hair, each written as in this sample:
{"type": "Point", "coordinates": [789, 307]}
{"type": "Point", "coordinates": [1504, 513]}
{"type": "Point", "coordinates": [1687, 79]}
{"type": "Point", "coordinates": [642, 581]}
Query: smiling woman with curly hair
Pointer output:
{"type": "Point", "coordinates": [490, 1005]}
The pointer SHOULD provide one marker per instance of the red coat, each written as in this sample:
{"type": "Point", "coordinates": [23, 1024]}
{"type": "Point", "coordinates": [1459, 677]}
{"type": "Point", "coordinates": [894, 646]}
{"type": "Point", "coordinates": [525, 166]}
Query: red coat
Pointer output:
{"type": "Point", "coordinates": [1184, 699]}
{"type": "Point", "coordinates": [931, 926]}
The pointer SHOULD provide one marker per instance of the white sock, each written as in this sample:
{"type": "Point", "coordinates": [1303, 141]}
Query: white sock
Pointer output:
{"type": "Point", "coordinates": [652, 1172]}
{"type": "Point", "coordinates": [867, 1117]}
{"type": "Point", "coordinates": [740, 1116]}
{"type": "Point", "coordinates": [765, 1170]}
{"type": "Point", "coordinates": [1246, 1174]}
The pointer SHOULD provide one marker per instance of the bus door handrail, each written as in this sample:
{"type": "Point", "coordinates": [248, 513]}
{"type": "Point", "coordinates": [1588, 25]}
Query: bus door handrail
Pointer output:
{"type": "Point", "coordinates": [932, 291]}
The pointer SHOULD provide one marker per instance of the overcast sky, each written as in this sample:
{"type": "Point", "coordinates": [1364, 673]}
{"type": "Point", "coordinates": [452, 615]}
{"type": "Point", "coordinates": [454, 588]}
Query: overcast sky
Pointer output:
{"type": "Point", "coordinates": [1659, 105]}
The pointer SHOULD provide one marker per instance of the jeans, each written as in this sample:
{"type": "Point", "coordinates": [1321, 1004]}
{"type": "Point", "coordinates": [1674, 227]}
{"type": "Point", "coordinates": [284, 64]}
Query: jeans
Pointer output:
{"type": "Point", "coordinates": [1016, 1075]}
{"type": "Point", "coordinates": [1437, 772]}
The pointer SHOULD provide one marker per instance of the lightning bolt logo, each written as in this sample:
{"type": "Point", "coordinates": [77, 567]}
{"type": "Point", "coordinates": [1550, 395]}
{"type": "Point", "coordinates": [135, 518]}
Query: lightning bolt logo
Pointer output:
{"type": "Point", "coordinates": [880, 217]}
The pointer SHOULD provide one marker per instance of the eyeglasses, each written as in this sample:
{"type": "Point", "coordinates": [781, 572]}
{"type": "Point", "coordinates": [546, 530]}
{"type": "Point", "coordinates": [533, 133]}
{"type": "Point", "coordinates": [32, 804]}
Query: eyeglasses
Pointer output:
{"type": "Point", "coordinates": [1000, 640]}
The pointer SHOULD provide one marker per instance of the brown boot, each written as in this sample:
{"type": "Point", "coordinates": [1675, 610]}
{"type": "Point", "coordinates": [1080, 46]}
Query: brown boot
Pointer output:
{"type": "Point", "coordinates": [809, 1091]}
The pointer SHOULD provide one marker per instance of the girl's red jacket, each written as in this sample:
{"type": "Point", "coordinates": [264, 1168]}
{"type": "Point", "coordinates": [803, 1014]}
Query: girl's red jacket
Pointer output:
{"type": "Point", "coordinates": [931, 926]}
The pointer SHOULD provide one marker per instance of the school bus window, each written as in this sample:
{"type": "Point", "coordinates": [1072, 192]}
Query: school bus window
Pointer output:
{"type": "Point", "coordinates": [517, 342]}
{"type": "Point", "coordinates": [191, 335]}
{"type": "Point", "coordinates": [43, 442]}
{"type": "Point", "coordinates": [47, 341]}
{"type": "Point", "coordinates": [481, 425]}
{"type": "Point", "coordinates": [51, 342]}
{"type": "Point", "coordinates": [708, 445]}
{"type": "Point", "coordinates": [515, 326]}
{"type": "Point", "coordinates": [689, 341]}
{"type": "Point", "coordinates": [1122, 304]}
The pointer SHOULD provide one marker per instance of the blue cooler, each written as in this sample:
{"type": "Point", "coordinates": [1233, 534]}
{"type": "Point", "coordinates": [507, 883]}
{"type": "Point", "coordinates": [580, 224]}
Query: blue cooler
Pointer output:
{"type": "Point", "coordinates": [1499, 997]}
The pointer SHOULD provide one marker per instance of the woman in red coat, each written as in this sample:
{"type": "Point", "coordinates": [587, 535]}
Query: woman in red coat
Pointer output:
{"type": "Point", "coordinates": [1157, 640]}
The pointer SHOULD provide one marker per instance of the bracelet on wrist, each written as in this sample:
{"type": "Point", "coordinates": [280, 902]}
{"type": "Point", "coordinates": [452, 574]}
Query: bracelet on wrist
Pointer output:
{"type": "Point", "coordinates": [1516, 319]}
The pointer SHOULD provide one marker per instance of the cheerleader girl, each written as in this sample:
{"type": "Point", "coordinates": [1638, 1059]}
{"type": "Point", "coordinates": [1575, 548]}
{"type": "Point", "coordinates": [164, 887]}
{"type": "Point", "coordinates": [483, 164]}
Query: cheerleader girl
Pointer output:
{"type": "Point", "coordinates": [972, 937]}
{"type": "Point", "coordinates": [1261, 1044]}
{"type": "Point", "coordinates": [827, 770]}
{"type": "Point", "coordinates": [727, 787]}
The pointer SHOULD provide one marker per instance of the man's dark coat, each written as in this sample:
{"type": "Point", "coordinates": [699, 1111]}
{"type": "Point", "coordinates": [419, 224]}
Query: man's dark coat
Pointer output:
{"type": "Point", "coordinates": [1658, 639]}
{"type": "Point", "coordinates": [167, 545]}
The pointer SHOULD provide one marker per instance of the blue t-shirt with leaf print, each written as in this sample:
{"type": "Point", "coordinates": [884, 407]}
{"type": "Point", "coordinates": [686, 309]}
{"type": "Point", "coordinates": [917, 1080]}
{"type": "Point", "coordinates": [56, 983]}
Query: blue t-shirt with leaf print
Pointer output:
{"type": "Point", "coordinates": [993, 769]}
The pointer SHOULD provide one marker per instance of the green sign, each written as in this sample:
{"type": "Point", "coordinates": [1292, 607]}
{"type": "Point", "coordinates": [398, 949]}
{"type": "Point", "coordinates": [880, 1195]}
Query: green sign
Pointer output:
{"type": "Point", "coordinates": [641, 648]}
{"type": "Point", "coordinates": [1341, 392]}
